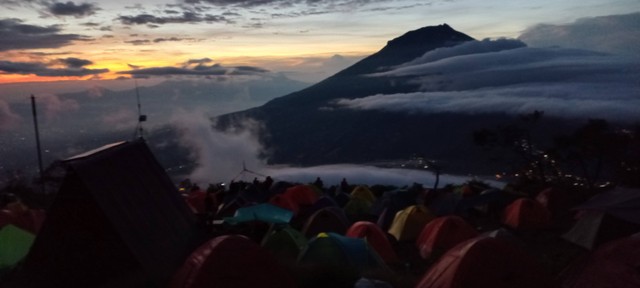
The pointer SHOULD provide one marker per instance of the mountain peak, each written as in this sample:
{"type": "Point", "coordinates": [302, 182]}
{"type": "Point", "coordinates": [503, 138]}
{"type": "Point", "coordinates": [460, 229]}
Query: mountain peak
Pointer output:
{"type": "Point", "coordinates": [407, 47]}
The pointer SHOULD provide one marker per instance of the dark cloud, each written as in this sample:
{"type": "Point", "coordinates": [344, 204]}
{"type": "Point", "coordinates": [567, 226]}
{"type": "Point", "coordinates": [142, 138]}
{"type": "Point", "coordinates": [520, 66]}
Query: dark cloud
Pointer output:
{"type": "Point", "coordinates": [498, 79]}
{"type": "Point", "coordinates": [71, 9]}
{"type": "Point", "coordinates": [73, 62]}
{"type": "Point", "coordinates": [172, 39]}
{"type": "Point", "coordinates": [199, 61]}
{"type": "Point", "coordinates": [618, 34]}
{"type": "Point", "coordinates": [14, 35]}
{"type": "Point", "coordinates": [139, 42]}
{"type": "Point", "coordinates": [199, 70]}
{"type": "Point", "coordinates": [90, 24]}
{"type": "Point", "coordinates": [134, 66]}
{"type": "Point", "coordinates": [186, 17]}
{"type": "Point", "coordinates": [40, 69]}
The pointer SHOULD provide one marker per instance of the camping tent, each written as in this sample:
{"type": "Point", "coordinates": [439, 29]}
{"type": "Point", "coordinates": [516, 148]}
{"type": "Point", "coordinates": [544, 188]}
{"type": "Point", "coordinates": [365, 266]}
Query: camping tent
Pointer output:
{"type": "Point", "coordinates": [614, 264]}
{"type": "Point", "coordinates": [622, 203]}
{"type": "Point", "coordinates": [336, 250]}
{"type": "Point", "coordinates": [116, 216]}
{"type": "Point", "coordinates": [409, 222]}
{"type": "Point", "coordinates": [376, 238]}
{"type": "Point", "coordinates": [231, 261]}
{"type": "Point", "coordinates": [15, 245]}
{"type": "Point", "coordinates": [329, 219]}
{"type": "Point", "coordinates": [486, 262]}
{"type": "Point", "coordinates": [263, 212]}
{"type": "Point", "coordinates": [285, 244]}
{"type": "Point", "coordinates": [526, 214]}
{"type": "Point", "coordinates": [595, 227]}
{"type": "Point", "coordinates": [443, 233]}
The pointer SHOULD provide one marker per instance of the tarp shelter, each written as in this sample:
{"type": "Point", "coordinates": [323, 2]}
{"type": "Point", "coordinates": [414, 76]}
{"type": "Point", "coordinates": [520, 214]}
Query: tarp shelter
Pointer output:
{"type": "Point", "coordinates": [231, 261]}
{"type": "Point", "coordinates": [376, 238]}
{"type": "Point", "coordinates": [596, 227]}
{"type": "Point", "coordinates": [117, 218]}
{"type": "Point", "coordinates": [443, 233]}
{"type": "Point", "coordinates": [263, 212]}
{"type": "Point", "coordinates": [526, 214]}
{"type": "Point", "coordinates": [330, 219]}
{"type": "Point", "coordinates": [409, 222]}
{"type": "Point", "coordinates": [14, 245]}
{"type": "Point", "coordinates": [614, 264]}
{"type": "Point", "coordinates": [486, 262]}
{"type": "Point", "coordinates": [336, 250]}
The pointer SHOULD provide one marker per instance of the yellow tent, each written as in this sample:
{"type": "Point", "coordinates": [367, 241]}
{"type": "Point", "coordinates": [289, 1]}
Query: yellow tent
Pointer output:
{"type": "Point", "coordinates": [408, 223]}
{"type": "Point", "coordinates": [362, 192]}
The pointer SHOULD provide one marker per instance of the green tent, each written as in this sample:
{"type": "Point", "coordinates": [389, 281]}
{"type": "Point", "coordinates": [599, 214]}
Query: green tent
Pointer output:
{"type": "Point", "coordinates": [15, 245]}
{"type": "Point", "coordinates": [286, 244]}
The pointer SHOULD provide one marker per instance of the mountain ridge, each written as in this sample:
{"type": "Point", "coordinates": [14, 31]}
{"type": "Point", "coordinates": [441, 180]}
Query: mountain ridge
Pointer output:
{"type": "Point", "coordinates": [304, 128]}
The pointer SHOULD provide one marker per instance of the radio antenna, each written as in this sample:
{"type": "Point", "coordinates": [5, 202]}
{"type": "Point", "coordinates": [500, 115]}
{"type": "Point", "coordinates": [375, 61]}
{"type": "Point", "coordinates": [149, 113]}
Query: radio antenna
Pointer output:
{"type": "Point", "coordinates": [139, 132]}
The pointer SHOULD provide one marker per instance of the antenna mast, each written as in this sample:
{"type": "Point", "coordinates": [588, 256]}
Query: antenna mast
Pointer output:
{"type": "Point", "coordinates": [35, 124]}
{"type": "Point", "coordinates": [139, 132]}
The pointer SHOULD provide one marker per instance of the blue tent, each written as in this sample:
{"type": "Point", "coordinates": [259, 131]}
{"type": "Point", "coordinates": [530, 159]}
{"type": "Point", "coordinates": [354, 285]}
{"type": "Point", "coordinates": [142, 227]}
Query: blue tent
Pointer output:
{"type": "Point", "coordinates": [264, 212]}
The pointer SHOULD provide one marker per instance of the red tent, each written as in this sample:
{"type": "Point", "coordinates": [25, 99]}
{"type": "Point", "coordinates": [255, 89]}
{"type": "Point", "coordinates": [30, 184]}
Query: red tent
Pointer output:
{"type": "Point", "coordinates": [285, 202]}
{"type": "Point", "coordinates": [376, 238]}
{"type": "Point", "coordinates": [526, 214]}
{"type": "Point", "coordinates": [614, 264]}
{"type": "Point", "coordinates": [195, 199]}
{"type": "Point", "coordinates": [442, 233]}
{"type": "Point", "coordinates": [301, 194]}
{"type": "Point", "coordinates": [486, 262]}
{"type": "Point", "coordinates": [28, 219]}
{"type": "Point", "coordinates": [231, 261]}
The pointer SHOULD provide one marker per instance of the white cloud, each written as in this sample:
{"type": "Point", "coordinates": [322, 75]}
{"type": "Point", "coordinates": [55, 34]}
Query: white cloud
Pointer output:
{"type": "Point", "coordinates": [367, 175]}
{"type": "Point", "coordinates": [217, 152]}
{"type": "Point", "coordinates": [560, 100]}
{"type": "Point", "coordinates": [221, 156]}
{"type": "Point", "coordinates": [120, 119]}
{"type": "Point", "coordinates": [8, 119]}
{"type": "Point", "coordinates": [618, 34]}
{"type": "Point", "coordinates": [54, 105]}
{"type": "Point", "coordinates": [500, 76]}
{"type": "Point", "coordinates": [470, 47]}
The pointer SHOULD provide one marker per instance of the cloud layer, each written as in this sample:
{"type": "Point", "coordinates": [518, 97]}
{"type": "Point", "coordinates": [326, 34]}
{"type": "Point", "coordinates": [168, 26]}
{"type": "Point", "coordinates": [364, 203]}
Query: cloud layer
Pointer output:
{"type": "Point", "coordinates": [505, 76]}
{"type": "Point", "coordinates": [618, 34]}
{"type": "Point", "coordinates": [15, 35]}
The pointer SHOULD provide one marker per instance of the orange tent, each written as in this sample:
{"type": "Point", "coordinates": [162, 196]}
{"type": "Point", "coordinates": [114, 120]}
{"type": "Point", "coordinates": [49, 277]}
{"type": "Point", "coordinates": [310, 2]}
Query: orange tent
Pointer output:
{"type": "Point", "coordinates": [409, 222]}
{"type": "Point", "coordinates": [526, 214]}
{"type": "Point", "coordinates": [376, 238]}
{"type": "Point", "coordinates": [486, 262]}
{"type": "Point", "coordinates": [231, 261]}
{"type": "Point", "coordinates": [443, 233]}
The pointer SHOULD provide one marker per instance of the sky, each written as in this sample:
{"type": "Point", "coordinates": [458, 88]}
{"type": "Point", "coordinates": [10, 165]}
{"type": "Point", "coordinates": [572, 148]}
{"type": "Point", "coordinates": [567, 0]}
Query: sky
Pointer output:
{"type": "Point", "coordinates": [307, 40]}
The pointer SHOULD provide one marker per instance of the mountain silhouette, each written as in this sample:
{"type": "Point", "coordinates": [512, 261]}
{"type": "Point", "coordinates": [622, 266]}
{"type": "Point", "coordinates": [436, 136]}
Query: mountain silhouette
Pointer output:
{"type": "Point", "coordinates": [304, 127]}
